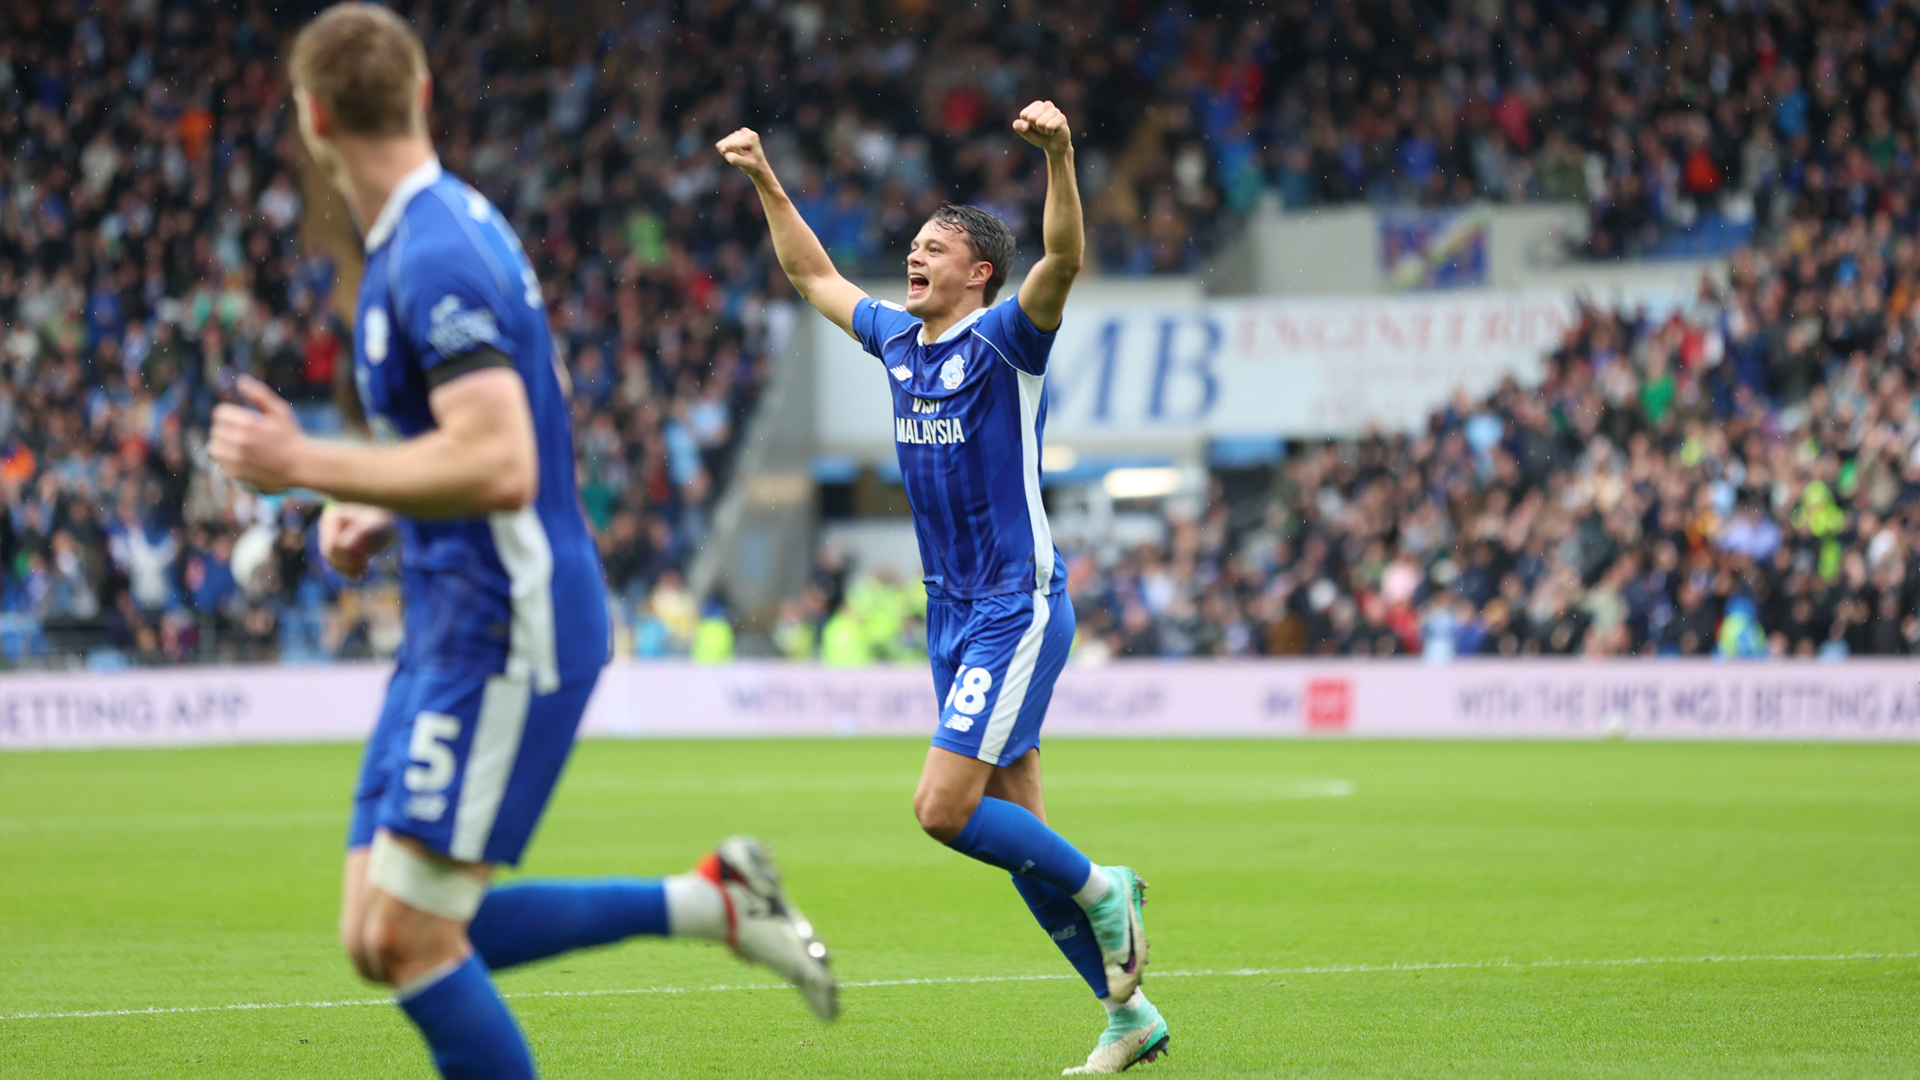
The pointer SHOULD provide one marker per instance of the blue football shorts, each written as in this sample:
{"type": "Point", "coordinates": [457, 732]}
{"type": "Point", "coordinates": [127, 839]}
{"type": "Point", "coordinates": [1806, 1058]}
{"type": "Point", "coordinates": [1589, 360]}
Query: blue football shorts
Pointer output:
{"type": "Point", "coordinates": [994, 665]}
{"type": "Point", "coordinates": [464, 761]}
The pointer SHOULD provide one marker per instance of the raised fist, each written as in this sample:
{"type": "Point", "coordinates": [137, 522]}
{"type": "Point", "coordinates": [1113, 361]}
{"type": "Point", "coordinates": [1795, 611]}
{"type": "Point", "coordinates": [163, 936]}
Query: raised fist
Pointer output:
{"type": "Point", "coordinates": [742, 148]}
{"type": "Point", "coordinates": [1045, 126]}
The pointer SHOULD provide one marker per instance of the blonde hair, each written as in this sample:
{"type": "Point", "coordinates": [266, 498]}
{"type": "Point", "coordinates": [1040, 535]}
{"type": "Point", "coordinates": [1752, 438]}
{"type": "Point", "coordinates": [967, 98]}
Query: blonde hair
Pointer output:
{"type": "Point", "coordinates": [365, 66]}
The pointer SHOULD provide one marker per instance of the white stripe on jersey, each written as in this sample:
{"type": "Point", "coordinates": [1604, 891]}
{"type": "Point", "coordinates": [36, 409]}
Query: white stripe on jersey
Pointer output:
{"type": "Point", "coordinates": [496, 746]}
{"type": "Point", "coordinates": [532, 652]}
{"type": "Point", "coordinates": [1032, 389]}
{"type": "Point", "coordinates": [1013, 686]}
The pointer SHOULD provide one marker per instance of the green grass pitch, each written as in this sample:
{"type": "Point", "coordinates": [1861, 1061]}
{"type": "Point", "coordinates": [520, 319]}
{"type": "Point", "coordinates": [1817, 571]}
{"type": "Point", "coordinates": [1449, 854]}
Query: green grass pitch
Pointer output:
{"type": "Point", "coordinates": [1318, 909]}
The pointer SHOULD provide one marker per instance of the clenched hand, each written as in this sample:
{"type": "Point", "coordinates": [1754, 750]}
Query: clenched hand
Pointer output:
{"type": "Point", "coordinates": [1045, 126]}
{"type": "Point", "coordinates": [259, 445]}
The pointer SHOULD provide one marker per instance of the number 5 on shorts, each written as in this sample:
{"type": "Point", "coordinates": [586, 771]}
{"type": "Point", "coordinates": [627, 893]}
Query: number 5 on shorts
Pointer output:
{"type": "Point", "coordinates": [431, 734]}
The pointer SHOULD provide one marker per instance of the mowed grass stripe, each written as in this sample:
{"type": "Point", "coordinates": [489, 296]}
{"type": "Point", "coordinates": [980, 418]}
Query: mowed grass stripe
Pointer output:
{"type": "Point", "coordinates": [973, 980]}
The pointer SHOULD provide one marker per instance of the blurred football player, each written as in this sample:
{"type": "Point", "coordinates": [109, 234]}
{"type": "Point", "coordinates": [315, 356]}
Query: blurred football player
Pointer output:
{"type": "Point", "coordinates": [968, 379]}
{"type": "Point", "coordinates": [506, 618]}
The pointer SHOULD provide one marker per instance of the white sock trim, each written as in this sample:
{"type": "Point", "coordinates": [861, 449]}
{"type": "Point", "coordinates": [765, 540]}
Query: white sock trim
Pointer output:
{"type": "Point", "coordinates": [695, 908]}
{"type": "Point", "coordinates": [418, 983]}
{"type": "Point", "coordinates": [1095, 889]}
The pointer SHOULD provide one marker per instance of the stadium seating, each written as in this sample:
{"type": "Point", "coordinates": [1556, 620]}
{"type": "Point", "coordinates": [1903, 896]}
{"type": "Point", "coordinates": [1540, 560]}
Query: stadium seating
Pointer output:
{"type": "Point", "coordinates": [151, 247]}
{"type": "Point", "coordinates": [1736, 480]}
{"type": "Point", "coordinates": [1755, 489]}
{"type": "Point", "coordinates": [1739, 479]}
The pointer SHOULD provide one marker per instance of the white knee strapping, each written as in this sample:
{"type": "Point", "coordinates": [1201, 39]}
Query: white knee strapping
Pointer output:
{"type": "Point", "coordinates": [434, 887]}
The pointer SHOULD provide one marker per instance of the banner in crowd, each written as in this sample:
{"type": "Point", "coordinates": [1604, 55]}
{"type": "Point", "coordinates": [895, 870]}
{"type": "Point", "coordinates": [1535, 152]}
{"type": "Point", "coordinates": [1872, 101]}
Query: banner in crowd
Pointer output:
{"type": "Point", "coordinates": [1142, 374]}
{"type": "Point", "coordinates": [1434, 249]}
{"type": "Point", "coordinates": [1852, 701]}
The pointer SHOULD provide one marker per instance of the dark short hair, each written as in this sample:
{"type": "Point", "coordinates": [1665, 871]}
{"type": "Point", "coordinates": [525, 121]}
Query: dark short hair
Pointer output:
{"type": "Point", "coordinates": [987, 236]}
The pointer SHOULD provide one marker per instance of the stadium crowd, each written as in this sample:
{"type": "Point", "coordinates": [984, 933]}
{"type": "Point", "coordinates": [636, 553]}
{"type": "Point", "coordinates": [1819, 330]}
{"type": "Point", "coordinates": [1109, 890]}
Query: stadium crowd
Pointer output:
{"type": "Point", "coordinates": [1681, 124]}
{"type": "Point", "coordinates": [1748, 460]}
{"type": "Point", "coordinates": [1739, 479]}
{"type": "Point", "coordinates": [155, 241]}
{"type": "Point", "coordinates": [1742, 477]}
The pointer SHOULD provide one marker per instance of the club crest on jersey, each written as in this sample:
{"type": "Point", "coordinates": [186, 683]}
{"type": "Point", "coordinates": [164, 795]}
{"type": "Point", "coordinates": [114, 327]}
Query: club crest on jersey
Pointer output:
{"type": "Point", "coordinates": [953, 372]}
{"type": "Point", "coordinates": [373, 334]}
{"type": "Point", "coordinates": [454, 329]}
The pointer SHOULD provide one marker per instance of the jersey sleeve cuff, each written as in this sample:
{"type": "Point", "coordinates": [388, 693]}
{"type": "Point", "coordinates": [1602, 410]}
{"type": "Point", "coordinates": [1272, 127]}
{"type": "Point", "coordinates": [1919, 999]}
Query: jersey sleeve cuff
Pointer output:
{"type": "Point", "coordinates": [484, 357]}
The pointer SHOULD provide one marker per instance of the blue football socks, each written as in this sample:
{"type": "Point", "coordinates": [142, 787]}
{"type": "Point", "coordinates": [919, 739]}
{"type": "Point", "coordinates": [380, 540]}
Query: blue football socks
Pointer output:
{"type": "Point", "coordinates": [1065, 921]}
{"type": "Point", "coordinates": [468, 1029]}
{"type": "Point", "coordinates": [1008, 836]}
{"type": "Point", "coordinates": [533, 920]}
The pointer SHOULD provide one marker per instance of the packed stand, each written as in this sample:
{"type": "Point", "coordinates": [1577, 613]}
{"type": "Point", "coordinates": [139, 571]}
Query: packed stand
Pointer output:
{"type": "Point", "coordinates": [148, 250]}
{"type": "Point", "coordinates": [151, 247]}
{"type": "Point", "coordinates": [1741, 479]}
{"type": "Point", "coordinates": [1682, 126]}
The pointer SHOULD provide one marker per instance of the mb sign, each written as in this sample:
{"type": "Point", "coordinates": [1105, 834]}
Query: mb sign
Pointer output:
{"type": "Point", "coordinates": [1134, 370]}
{"type": "Point", "coordinates": [1193, 370]}
{"type": "Point", "coordinates": [1294, 368]}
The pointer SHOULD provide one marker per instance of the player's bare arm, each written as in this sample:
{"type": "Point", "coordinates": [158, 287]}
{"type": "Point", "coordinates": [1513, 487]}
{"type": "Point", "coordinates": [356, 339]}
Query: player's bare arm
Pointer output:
{"type": "Point", "coordinates": [1043, 296]}
{"type": "Point", "coordinates": [479, 460]}
{"type": "Point", "coordinates": [806, 262]}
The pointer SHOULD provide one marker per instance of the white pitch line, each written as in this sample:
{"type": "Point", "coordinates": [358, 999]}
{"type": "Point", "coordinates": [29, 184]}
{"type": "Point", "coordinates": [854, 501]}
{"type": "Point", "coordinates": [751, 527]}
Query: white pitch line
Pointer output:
{"type": "Point", "coordinates": [957, 980]}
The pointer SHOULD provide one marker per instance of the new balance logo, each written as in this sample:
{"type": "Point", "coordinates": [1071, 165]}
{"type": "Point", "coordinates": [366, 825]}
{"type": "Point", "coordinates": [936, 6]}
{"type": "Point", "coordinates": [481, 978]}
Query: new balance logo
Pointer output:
{"type": "Point", "coordinates": [928, 432]}
{"type": "Point", "coordinates": [901, 372]}
{"type": "Point", "coordinates": [1065, 932]}
{"type": "Point", "coordinates": [962, 724]}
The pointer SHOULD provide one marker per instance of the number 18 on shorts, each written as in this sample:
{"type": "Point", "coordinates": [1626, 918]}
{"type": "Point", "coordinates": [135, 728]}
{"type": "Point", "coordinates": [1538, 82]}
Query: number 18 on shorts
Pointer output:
{"type": "Point", "coordinates": [994, 665]}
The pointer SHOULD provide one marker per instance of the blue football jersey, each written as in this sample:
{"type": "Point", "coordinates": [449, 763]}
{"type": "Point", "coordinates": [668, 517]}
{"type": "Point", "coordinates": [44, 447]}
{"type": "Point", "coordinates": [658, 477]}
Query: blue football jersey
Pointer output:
{"type": "Point", "coordinates": [520, 592]}
{"type": "Point", "coordinates": [969, 411]}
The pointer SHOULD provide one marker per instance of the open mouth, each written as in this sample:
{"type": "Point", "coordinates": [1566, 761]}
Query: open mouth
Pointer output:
{"type": "Point", "coordinates": [916, 285]}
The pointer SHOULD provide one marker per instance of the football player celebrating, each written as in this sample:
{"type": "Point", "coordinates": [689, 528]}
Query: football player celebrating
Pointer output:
{"type": "Point", "coordinates": [968, 378]}
{"type": "Point", "coordinates": [506, 616]}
